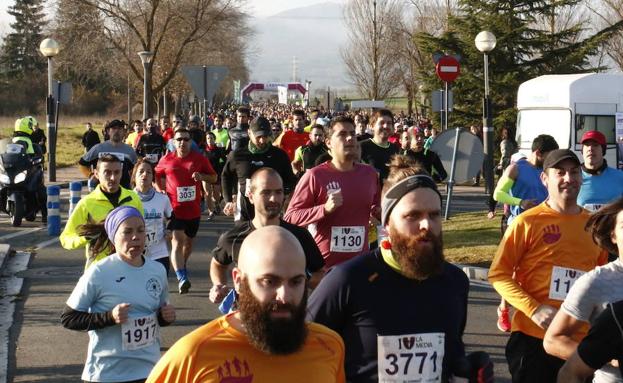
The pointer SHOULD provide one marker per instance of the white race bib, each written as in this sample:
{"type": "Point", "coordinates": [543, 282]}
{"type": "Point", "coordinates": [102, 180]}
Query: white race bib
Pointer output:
{"type": "Point", "coordinates": [186, 193]}
{"type": "Point", "coordinates": [347, 239]}
{"type": "Point", "coordinates": [153, 158]}
{"type": "Point", "coordinates": [410, 358]}
{"type": "Point", "coordinates": [137, 333]}
{"type": "Point", "coordinates": [562, 280]}
{"type": "Point", "coordinates": [593, 207]}
{"type": "Point", "coordinates": [150, 238]}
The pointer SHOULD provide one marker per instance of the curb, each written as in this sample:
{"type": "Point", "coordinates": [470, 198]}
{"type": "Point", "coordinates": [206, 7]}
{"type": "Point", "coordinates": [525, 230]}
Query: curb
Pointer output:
{"type": "Point", "coordinates": [475, 273]}
{"type": "Point", "coordinates": [5, 250]}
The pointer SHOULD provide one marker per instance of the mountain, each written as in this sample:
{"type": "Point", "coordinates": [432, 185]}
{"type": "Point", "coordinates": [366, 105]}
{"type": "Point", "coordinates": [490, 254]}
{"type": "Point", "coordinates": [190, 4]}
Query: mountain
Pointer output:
{"type": "Point", "coordinates": [314, 35]}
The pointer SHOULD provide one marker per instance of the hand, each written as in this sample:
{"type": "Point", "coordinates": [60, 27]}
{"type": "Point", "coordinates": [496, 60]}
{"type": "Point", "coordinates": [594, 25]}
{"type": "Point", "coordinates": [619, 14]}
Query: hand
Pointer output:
{"type": "Point", "coordinates": [168, 313]}
{"type": "Point", "coordinates": [527, 204]}
{"type": "Point", "coordinates": [120, 312]}
{"type": "Point", "coordinates": [197, 176]}
{"type": "Point", "coordinates": [543, 316]}
{"type": "Point", "coordinates": [218, 292]}
{"type": "Point", "coordinates": [491, 214]}
{"type": "Point", "coordinates": [168, 235]}
{"type": "Point", "coordinates": [229, 209]}
{"type": "Point", "coordinates": [334, 200]}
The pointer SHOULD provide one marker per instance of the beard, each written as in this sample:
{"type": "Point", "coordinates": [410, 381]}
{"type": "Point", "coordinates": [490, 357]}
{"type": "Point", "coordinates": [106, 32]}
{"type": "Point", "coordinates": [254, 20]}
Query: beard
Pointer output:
{"type": "Point", "coordinates": [417, 261]}
{"type": "Point", "coordinates": [269, 335]}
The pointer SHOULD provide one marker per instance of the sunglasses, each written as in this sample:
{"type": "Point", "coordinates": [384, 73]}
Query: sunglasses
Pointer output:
{"type": "Point", "coordinates": [180, 139]}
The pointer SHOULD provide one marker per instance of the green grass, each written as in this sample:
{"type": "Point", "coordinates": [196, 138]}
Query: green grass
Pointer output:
{"type": "Point", "coordinates": [69, 147]}
{"type": "Point", "coordinates": [471, 238]}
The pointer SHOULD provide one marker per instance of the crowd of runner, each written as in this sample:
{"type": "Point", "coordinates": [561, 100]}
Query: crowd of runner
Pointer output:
{"type": "Point", "coordinates": [336, 256]}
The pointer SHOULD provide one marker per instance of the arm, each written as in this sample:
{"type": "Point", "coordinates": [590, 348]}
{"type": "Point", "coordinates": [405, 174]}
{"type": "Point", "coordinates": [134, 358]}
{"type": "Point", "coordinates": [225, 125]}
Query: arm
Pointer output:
{"type": "Point", "coordinates": [297, 164]}
{"type": "Point", "coordinates": [574, 370]}
{"type": "Point", "coordinates": [558, 341]}
{"type": "Point", "coordinates": [160, 179]}
{"type": "Point", "coordinates": [85, 321]}
{"type": "Point", "coordinates": [228, 178]}
{"type": "Point", "coordinates": [438, 166]}
{"type": "Point", "coordinates": [69, 238]}
{"type": "Point", "coordinates": [302, 209]}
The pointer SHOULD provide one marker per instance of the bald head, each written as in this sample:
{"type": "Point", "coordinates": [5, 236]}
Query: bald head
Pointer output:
{"type": "Point", "coordinates": [268, 247]}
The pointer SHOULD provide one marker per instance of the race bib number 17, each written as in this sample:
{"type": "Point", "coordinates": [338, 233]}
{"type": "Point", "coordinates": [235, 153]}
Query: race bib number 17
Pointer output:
{"type": "Point", "coordinates": [410, 358]}
{"type": "Point", "coordinates": [137, 333]}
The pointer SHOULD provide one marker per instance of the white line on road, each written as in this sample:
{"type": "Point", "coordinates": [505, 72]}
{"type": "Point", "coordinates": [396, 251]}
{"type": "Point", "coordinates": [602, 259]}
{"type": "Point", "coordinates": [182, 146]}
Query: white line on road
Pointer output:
{"type": "Point", "coordinates": [20, 233]}
{"type": "Point", "coordinates": [46, 243]}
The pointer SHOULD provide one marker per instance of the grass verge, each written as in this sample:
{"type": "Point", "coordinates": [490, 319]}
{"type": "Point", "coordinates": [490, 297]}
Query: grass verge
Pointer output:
{"type": "Point", "coordinates": [471, 238]}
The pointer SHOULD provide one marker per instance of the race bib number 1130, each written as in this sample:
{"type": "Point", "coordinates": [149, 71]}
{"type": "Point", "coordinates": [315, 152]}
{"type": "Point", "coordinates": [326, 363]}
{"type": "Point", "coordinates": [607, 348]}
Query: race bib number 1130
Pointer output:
{"type": "Point", "coordinates": [410, 358]}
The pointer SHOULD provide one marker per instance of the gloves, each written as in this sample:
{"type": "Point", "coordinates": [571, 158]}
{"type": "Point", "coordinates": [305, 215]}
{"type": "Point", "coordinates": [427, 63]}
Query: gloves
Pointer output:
{"type": "Point", "coordinates": [481, 367]}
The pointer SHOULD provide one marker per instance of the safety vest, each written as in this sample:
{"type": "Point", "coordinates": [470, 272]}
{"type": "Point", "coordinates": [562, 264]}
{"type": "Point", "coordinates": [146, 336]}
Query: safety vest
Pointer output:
{"type": "Point", "coordinates": [29, 148]}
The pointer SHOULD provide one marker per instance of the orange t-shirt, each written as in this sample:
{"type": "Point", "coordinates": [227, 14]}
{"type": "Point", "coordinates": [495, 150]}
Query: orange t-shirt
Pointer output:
{"type": "Point", "coordinates": [546, 251]}
{"type": "Point", "coordinates": [217, 352]}
{"type": "Point", "coordinates": [291, 140]}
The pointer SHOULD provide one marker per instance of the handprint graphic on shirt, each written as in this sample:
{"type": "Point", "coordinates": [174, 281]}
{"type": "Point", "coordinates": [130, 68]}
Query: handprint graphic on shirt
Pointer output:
{"type": "Point", "coordinates": [551, 234]}
{"type": "Point", "coordinates": [333, 187]}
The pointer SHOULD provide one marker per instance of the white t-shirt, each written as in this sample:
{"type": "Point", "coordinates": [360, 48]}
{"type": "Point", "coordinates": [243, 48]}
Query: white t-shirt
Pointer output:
{"type": "Point", "coordinates": [156, 210]}
{"type": "Point", "coordinates": [106, 284]}
{"type": "Point", "coordinates": [588, 298]}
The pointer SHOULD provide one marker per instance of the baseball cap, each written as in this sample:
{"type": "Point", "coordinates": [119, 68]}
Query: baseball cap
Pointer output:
{"type": "Point", "coordinates": [115, 124]}
{"type": "Point", "coordinates": [557, 156]}
{"type": "Point", "coordinates": [260, 127]}
{"type": "Point", "coordinates": [594, 135]}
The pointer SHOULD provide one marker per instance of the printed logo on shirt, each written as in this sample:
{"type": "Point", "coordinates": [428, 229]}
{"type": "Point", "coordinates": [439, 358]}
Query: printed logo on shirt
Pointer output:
{"type": "Point", "coordinates": [120, 279]}
{"type": "Point", "coordinates": [236, 371]}
{"type": "Point", "coordinates": [551, 234]}
{"type": "Point", "coordinates": [257, 163]}
{"type": "Point", "coordinates": [120, 156]}
{"type": "Point", "coordinates": [333, 187]}
{"type": "Point", "coordinates": [153, 287]}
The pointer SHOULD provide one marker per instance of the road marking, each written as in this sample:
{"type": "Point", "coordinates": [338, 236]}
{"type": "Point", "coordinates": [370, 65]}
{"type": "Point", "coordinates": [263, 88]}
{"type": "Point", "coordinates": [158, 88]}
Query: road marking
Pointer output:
{"type": "Point", "coordinates": [20, 233]}
{"type": "Point", "coordinates": [46, 243]}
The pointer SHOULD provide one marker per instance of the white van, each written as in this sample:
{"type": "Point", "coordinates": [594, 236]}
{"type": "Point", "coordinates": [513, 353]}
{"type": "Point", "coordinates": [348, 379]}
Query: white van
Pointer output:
{"type": "Point", "coordinates": [566, 106]}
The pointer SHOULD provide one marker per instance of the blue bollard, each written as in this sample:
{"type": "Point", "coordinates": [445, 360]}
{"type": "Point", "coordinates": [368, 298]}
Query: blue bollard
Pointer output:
{"type": "Point", "coordinates": [75, 190]}
{"type": "Point", "coordinates": [54, 214]}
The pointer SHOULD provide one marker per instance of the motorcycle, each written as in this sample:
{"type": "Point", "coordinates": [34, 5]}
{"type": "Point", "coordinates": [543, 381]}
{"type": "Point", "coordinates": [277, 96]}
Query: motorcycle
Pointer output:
{"type": "Point", "coordinates": [20, 177]}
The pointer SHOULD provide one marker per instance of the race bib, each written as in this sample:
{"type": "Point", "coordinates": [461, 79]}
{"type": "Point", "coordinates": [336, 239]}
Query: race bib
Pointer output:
{"type": "Point", "coordinates": [140, 332]}
{"type": "Point", "coordinates": [150, 238]}
{"type": "Point", "coordinates": [410, 358]}
{"type": "Point", "coordinates": [186, 193]}
{"type": "Point", "coordinates": [562, 280]}
{"type": "Point", "coordinates": [347, 239]}
{"type": "Point", "coordinates": [593, 207]}
{"type": "Point", "coordinates": [153, 158]}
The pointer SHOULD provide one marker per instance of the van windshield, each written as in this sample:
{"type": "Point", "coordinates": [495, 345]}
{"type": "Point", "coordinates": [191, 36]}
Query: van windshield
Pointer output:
{"type": "Point", "coordinates": [532, 122]}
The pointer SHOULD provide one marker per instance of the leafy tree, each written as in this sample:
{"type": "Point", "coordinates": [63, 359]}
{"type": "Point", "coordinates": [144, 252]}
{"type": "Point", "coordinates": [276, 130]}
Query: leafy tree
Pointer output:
{"type": "Point", "coordinates": [20, 51]}
{"type": "Point", "coordinates": [526, 48]}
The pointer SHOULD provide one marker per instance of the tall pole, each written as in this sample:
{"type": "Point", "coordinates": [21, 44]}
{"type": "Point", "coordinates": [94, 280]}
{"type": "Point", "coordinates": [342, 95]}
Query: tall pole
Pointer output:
{"type": "Point", "coordinates": [375, 53]}
{"type": "Point", "coordinates": [129, 91]}
{"type": "Point", "coordinates": [205, 97]}
{"type": "Point", "coordinates": [146, 89]}
{"type": "Point", "coordinates": [487, 128]}
{"type": "Point", "coordinates": [51, 124]}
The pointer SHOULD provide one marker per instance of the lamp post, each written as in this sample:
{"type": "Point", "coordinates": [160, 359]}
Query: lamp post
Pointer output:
{"type": "Point", "coordinates": [485, 43]}
{"type": "Point", "coordinates": [146, 57]}
{"type": "Point", "coordinates": [307, 87]}
{"type": "Point", "coordinates": [50, 48]}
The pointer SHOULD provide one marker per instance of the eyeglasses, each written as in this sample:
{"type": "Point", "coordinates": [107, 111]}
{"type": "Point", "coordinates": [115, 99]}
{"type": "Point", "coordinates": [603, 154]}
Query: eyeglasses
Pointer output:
{"type": "Point", "coordinates": [180, 139]}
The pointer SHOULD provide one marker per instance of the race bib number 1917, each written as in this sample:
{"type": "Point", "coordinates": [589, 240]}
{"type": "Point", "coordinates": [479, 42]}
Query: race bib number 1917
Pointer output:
{"type": "Point", "coordinates": [137, 333]}
{"type": "Point", "coordinates": [410, 358]}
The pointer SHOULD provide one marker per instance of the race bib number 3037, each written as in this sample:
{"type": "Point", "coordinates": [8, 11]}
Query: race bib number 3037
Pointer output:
{"type": "Point", "coordinates": [562, 280]}
{"type": "Point", "coordinates": [137, 333]}
{"type": "Point", "coordinates": [186, 193]}
{"type": "Point", "coordinates": [410, 358]}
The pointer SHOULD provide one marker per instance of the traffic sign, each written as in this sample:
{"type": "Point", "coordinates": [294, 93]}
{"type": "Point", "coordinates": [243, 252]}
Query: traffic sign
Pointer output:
{"type": "Point", "coordinates": [448, 68]}
{"type": "Point", "coordinates": [204, 80]}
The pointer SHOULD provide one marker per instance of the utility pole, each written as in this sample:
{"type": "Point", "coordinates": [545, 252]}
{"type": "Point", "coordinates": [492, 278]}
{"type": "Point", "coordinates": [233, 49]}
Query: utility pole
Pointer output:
{"type": "Point", "coordinates": [375, 54]}
{"type": "Point", "coordinates": [293, 68]}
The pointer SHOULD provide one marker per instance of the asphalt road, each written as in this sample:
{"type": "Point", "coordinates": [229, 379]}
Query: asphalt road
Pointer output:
{"type": "Point", "coordinates": [40, 350]}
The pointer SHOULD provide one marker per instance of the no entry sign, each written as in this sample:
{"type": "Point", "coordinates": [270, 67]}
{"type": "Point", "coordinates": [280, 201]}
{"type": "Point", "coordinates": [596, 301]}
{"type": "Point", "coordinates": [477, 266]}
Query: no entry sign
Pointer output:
{"type": "Point", "coordinates": [447, 68]}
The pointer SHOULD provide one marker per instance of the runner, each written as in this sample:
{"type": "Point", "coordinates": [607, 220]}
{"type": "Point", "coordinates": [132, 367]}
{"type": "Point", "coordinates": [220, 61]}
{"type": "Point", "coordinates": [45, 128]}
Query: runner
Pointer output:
{"type": "Point", "coordinates": [157, 211]}
{"type": "Point", "coordinates": [266, 195]}
{"type": "Point", "coordinates": [239, 135]}
{"type": "Point", "coordinates": [521, 188]}
{"type": "Point", "coordinates": [427, 158]}
{"type": "Point", "coordinates": [290, 140]}
{"type": "Point", "coordinates": [591, 293]}
{"type": "Point", "coordinates": [96, 205]}
{"type": "Point", "coordinates": [267, 340]}
{"type": "Point", "coordinates": [122, 302]}
{"type": "Point", "coordinates": [180, 174]}
{"type": "Point", "coordinates": [151, 145]}
{"type": "Point", "coordinates": [402, 309]}
{"type": "Point", "coordinates": [242, 163]}
{"type": "Point", "coordinates": [541, 255]}
{"type": "Point", "coordinates": [221, 134]}
{"type": "Point", "coordinates": [305, 156]}
{"type": "Point", "coordinates": [602, 345]}
{"type": "Point", "coordinates": [217, 156]}
{"type": "Point", "coordinates": [115, 146]}
{"type": "Point", "coordinates": [378, 151]}
{"type": "Point", "coordinates": [336, 199]}
{"type": "Point", "coordinates": [601, 184]}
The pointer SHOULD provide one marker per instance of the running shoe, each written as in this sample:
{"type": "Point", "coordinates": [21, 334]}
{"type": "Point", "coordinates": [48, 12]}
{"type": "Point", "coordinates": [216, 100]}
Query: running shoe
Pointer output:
{"type": "Point", "coordinates": [504, 323]}
{"type": "Point", "coordinates": [184, 286]}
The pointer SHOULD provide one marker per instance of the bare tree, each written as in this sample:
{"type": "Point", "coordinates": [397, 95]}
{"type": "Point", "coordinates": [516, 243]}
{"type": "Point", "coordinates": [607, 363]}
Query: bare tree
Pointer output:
{"type": "Point", "coordinates": [608, 13]}
{"type": "Point", "coordinates": [370, 61]}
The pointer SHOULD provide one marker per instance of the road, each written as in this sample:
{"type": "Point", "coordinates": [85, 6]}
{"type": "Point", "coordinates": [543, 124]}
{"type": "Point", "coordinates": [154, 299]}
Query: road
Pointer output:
{"type": "Point", "coordinates": [40, 350]}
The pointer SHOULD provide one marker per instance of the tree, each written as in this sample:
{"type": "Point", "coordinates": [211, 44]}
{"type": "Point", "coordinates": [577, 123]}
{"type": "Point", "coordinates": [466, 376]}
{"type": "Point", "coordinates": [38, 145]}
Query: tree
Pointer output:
{"type": "Point", "coordinates": [524, 50]}
{"type": "Point", "coordinates": [20, 52]}
{"type": "Point", "coordinates": [369, 59]}
{"type": "Point", "coordinates": [608, 13]}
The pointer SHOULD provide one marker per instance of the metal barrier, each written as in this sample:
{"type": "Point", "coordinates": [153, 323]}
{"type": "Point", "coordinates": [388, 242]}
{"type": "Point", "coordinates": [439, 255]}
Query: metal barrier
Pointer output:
{"type": "Point", "coordinates": [54, 216]}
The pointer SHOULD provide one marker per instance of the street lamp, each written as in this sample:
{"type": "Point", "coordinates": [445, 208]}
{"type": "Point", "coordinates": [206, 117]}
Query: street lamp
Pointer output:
{"type": "Point", "coordinates": [307, 87]}
{"type": "Point", "coordinates": [50, 48]}
{"type": "Point", "coordinates": [146, 57]}
{"type": "Point", "coordinates": [485, 43]}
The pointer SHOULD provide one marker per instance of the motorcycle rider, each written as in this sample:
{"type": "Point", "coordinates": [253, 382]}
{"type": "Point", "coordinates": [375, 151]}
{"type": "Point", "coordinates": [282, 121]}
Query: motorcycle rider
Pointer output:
{"type": "Point", "coordinates": [24, 128]}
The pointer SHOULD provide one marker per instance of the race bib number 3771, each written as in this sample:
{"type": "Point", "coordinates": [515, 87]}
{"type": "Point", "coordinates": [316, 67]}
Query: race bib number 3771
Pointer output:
{"type": "Point", "coordinates": [410, 358]}
{"type": "Point", "coordinates": [140, 332]}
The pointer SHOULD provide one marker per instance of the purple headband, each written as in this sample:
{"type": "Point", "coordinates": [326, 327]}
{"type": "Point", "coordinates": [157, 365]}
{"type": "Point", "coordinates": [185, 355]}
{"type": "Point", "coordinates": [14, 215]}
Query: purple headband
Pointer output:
{"type": "Point", "coordinates": [116, 217]}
